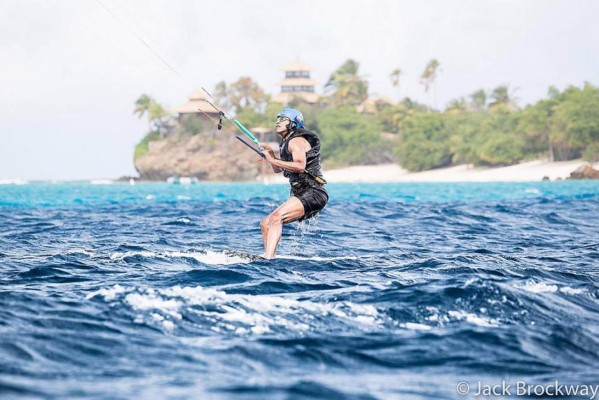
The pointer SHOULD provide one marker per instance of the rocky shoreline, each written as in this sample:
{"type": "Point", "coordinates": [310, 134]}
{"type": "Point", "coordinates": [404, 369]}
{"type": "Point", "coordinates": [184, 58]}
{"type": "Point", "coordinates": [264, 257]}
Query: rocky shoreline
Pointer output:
{"type": "Point", "coordinates": [207, 157]}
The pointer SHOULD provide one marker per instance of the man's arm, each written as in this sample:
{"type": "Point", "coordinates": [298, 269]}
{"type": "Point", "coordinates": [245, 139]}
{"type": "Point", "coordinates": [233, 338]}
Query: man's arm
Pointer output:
{"type": "Point", "coordinates": [298, 147]}
{"type": "Point", "coordinates": [271, 153]}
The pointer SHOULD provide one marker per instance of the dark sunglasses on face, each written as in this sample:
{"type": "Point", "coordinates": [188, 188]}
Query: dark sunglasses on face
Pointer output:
{"type": "Point", "coordinates": [282, 119]}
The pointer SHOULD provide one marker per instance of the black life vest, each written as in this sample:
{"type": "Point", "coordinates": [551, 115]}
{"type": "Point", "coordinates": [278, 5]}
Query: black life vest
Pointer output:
{"type": "Point", "coordinates": [313, 160]}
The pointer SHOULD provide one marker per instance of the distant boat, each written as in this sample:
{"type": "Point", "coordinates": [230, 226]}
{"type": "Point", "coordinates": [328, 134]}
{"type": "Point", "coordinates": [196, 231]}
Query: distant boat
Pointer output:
{"type": "Point", "coordinates": [101, 182]}
{"type": "Point", "coordinates": [182, 180]}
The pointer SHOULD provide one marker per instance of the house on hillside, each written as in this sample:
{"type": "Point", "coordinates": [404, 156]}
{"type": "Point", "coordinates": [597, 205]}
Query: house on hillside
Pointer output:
{"type": "Point", "coordinates": [296, 84]}
{"type": "Point", "coordinates": [196, 103]}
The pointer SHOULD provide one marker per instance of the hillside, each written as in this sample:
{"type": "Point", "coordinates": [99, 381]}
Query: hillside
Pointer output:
{"type": "Point", "coordinates": [211, 156]}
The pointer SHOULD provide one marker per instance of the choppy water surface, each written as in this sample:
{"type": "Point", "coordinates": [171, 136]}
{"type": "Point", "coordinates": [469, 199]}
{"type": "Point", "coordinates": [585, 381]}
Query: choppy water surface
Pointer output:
{"type": "Point", "coordinates": [396, 291]}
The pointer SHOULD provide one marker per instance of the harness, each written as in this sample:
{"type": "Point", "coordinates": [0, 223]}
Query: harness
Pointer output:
{"type": "Point", "coordinates": [312, 174]}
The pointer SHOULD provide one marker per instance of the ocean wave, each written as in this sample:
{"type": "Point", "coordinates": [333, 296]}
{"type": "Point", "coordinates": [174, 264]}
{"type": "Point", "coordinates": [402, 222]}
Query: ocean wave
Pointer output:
{"type": "Point", "coordinates": [120, 291]}
{"type": "Point", "coordinates": [237, 314]}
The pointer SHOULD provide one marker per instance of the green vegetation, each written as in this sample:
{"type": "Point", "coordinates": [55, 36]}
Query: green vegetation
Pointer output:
{"type": "Point", "coordinates": [142, 147]}
{"type": "Point", "coordinates": [563, 127]}
{"type": "Point", "coordinates": [189, 125]}
{"type": "Point", "coordinates": [157, 115]}
{"type": "Point", "coordinates": [349, 138]}
{"type": "Point", "coordinates": [484, 128]}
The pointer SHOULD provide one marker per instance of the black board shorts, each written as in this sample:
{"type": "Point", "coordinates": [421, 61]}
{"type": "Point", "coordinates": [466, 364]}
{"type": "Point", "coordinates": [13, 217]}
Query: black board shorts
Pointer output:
{"type": "Point", "coordinates": [313, 198]}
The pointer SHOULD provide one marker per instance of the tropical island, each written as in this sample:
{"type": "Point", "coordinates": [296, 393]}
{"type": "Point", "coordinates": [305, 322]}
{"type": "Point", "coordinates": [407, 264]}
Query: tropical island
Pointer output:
{"type": "Point", "coordinates": [486, 128]}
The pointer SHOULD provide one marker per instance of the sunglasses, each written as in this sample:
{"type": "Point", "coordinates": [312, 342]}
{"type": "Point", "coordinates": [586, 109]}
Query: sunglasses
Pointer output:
{"type": "Point", "coordinates": [282, 119]}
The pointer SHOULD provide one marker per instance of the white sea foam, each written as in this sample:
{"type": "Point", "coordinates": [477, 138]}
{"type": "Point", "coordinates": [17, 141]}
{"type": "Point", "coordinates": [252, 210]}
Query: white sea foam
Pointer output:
{"type": "Point", "coordinates": [473, 318]}
{"type": "Point", "coordinates": [572, 291]}
{"type": "Point", "coordinates": [168, 324]}
{"type": "Point", "coordinates": [434, 318]}
{"type": "Point", "coordinates": [220, 258]}
{"type": "Point", "coordinates": [120, 256]}
{"type": "Point", "coordinates": [415, 326]}
{"type": "Point", "coordinates": [151, 301]}
{"type": "Point", "coordinates": [82, 251]}
{"type": "Point", "coordinates": [239, 313]}
{"type": "Point", "coordinates": [109, 294]}
{"type": "Point", "coordinates": [317, 258]}
{"type": "Point", "coordinates": [209, 257]}
{"type": "Point", "coordinates": [539, 287]}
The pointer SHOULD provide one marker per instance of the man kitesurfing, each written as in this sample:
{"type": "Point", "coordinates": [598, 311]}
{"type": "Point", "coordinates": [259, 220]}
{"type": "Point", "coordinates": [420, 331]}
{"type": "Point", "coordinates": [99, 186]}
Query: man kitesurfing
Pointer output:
{"type": "Point", "coordinates": [300, 162]}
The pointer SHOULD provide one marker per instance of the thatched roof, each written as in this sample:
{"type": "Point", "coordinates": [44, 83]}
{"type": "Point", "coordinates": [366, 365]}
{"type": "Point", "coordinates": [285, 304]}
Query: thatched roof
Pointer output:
{"type": "Point", "coordinates": [297, 65]}
{"type": "Point", "coordinates": [199, 95]}
{"type": "Point", "coordinates": [197, 101]}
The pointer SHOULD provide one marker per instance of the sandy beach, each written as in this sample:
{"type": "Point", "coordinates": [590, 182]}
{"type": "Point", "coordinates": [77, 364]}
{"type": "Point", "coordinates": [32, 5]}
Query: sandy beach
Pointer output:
{"type": "Point", "coordinates": [530, 171]}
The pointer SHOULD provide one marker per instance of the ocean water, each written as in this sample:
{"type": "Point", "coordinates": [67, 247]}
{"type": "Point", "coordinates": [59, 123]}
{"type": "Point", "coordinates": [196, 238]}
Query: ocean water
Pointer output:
{"type": "Point", "coordinates": [396, 291]}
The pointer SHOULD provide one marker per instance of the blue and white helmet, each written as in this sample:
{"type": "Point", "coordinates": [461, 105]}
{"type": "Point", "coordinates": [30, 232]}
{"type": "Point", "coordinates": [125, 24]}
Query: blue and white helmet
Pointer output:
{"type": "Point", "coordinates": [294, 116]}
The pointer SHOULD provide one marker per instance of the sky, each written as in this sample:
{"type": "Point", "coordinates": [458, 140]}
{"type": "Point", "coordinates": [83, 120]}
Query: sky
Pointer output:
{"type": "Point", "coordinates": [71, 70]}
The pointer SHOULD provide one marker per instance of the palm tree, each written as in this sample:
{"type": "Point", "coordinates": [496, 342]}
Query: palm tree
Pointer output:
{"type": "Point", "coordinates": [478, 100]}
{"type": "Point", "coordinates": [429, 75]}
{"type": "Point", "coordinates": [346, 86]}
{"type": "Point", "coordinates": [457, 106]}
{"type": "Point", "coordinates": [503, 97]}
{"type": "Point", "coordinates": [156, 114]}
{"type": "Point", "coordinates": [142, 106]}
{"type": "Point", "coordinates": [394, 76]}
{"type": "Point", "coordinates": [146, 105]}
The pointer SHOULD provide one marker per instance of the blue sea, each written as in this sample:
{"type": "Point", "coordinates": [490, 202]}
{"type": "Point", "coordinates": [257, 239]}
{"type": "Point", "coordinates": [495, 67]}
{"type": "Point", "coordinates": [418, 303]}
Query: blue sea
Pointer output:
{"type": "Point", "coordinates": [396, 291]}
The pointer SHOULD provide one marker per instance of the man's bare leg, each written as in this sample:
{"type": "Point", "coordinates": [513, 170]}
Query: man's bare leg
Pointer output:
{"type": "Point", "coordinates": [264, 229]}
{"type": "Point", "coordinates": [289, 211]}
